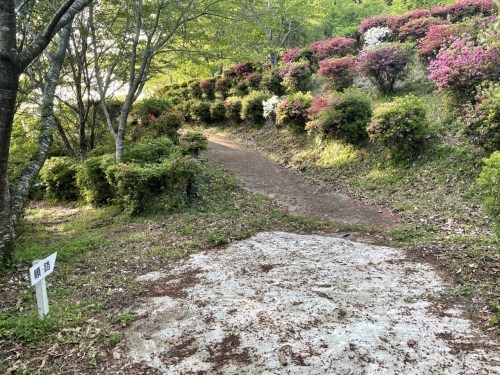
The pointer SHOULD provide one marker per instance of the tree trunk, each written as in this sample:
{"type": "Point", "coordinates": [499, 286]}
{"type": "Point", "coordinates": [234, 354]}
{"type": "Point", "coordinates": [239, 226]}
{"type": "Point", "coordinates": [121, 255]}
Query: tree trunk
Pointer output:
{"type": "Point", "coordinates": [9, 77]}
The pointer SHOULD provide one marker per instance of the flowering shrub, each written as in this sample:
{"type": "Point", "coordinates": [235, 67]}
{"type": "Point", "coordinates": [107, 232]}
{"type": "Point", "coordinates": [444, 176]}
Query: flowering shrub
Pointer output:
{"type": "Point", "coordinates": [222, 86]}
{"type": "Point", "coordinates": [437, 37]}
{"type": "Point", "coordinates": [384, 65]}
{"type": "Point", "coordinates": [489, 187]}
{"type": "Point", "coordinates": [343, 117]}
{"type": "Point", "coordinates": [193, 143]}
{"type": "Point", "coordinates": [470, 8]}
{"type": "Point", "coordinates": [251, 107]}
{"type": "Point", "coordinates": [271, 81]}
{"type": "Point", "coordinates": [270, 106]}
{"type": "Point", "coordinates": [149, 109]}
{"type": "Point", "coordinates": [239, 89]}
{"type": "Point", "coordinates": [296, 76]}
{"type": "Point", "coordinates": [292, 111]}
{"type": "Point", "coordinates": [199, 111]}
{"type": "Point", "coordinates": [377, 21]}
{"type": "Point", "coordinates": [194, 89]}
{"type": "Point", "coordinates": [217, 111]}
{"type": "Point", "coordinates": [482, 120]}
{"type": "Point", "coordinates": [59, 177]}
{"type": "Point", "coordinates": [335, 47]}
{"type": "Point", "coordinates": [207, 89]}
{"type": "Point", "coordinates": [305, 54]}
{"type": "Point", "coordinates": [410, 16]}
{"type": "Point", "coordinates": [340, 71]}
{"type": "Point", "coordinates": [241, 70]}
{"type": "Point", "coordinates": [418, 28]}
{"type": "Point", "coordinates": [232, 105]}
{"type": "Point", "coordinates": [253, 79]}
{"type": "Point", "coordinates": [460, 67]}
{"type": "Point", "coordinates": [376, 35]}
{"type": "Point", "coordinates": [400, 125]}
{"type": "Point", "coordinates": [288, 55]}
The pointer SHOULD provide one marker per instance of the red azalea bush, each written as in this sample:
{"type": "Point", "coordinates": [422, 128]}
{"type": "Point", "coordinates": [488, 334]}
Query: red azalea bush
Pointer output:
{"type": "Point", "coordinates": [253, 79]}
{"type": "Point", "coordinates": [463, 65]}
{"type": "Point", "coordinates": [207, 89]}
{"type": "Point", "coordinates": [377, 21]}
{"type": "Point", "coordinates": [288, 55]}
{"type": "Point", "coordinates": [384, 65]}
{"type": "Point", "coordinates": [335, 47]}
{"type": "Point", "coordinates": [296, 76]}
{"type": "Point", "coordinates": [437, 37]}
{"type": "Point", "coordinates": [222, 85]}
{"type": "Point", "coordinates": [340, 71]}
{"type": "Point", "coordinates": [418, 28]}
{"type": "Point", "coordinates": [410, 16]}
{"type": "Point", "coordinates": [470, 8]}
{"type": "Point", "coordinates": [241, 70]}
{"type": "Point", "coordinates": [292, 111]}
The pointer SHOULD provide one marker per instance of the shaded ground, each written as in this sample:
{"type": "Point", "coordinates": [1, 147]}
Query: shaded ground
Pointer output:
{"type": "Point", "coordinates": [283, 303]}
{"type": "Point", "coordinates": [263, 176]}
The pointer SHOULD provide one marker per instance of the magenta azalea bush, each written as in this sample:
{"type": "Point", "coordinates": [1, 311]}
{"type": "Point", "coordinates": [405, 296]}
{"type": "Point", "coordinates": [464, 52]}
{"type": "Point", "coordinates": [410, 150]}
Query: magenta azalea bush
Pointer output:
{"type": "Point", "coordinates": [288, 55]}
{"type": "Point", "coordinates": [340, 71]}
{"type": "Point", "coordinates": [437, 37]}
{"type": "Point", "coordinates": [482, 119]}
{"type": "Point", "coordinates": [418, 28]}
{"type": "Point", "coordinates": [222, 85]}
{"type": "Point", "coordinates": [385, 65]}
{"type": "Point", "coordinates": [469, 8]}
{"type": "Point", "coordinates": [377, 21]}
{"type": "Point", "coordinates": [335, 47]}
{"type": "Point", "coordinates": [292, 111]}
{"type": "Point", "coordinates": [241, 70]}
{"type": "Point", "coordinates": [400, 125]}
{"type": "Point", "coordinates": [296, 76]}
{"type": "Point", "coordinates": [463, 65]}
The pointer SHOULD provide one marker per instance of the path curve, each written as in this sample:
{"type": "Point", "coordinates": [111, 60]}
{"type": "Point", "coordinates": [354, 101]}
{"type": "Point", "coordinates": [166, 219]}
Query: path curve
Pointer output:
{"type": "Point", "coordinates": [261, 175]}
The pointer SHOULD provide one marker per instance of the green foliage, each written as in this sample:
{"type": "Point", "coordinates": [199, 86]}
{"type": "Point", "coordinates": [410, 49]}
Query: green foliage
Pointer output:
{"type": "Point", "coordinates": [150, 152]}
{"type": "Point", "coordinates": [153, 106]}
{"type": "Point", "coordinates": [489, 186]}
{"type": "Point", "coordinates": [271, 81]}
{"type": "Point", "coordinates": [91, 180]}
{"type": "Point", "coordinates": [252, 109]}
{"type": "Point", "coordinates": [59, 176]}
{"type": "Point", "coordinates": [194, 90]}
{"type": "Point", "coordinates": [292, 111]}
{"type": "Point", "coordinates": [233, 106]}
{"type": "Point", "coordinates": [218, 111]}
{"type": "Point", "coordinates": [199, 111]}
{"type": "Point", "coordinates": [401, 125]}
{"type": "Point", "coordinates": [193, 143]}
{"type": "Point", "coordinates": [167, 124]}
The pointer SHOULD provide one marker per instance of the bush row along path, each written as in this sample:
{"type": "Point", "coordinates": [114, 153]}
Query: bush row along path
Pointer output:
{"type": "Point", "coordinates": [282, 303]}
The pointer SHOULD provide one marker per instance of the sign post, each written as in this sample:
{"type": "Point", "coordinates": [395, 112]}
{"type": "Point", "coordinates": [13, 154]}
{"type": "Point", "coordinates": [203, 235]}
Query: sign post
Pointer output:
{"type": "Point", "coordinates": [38, 272]}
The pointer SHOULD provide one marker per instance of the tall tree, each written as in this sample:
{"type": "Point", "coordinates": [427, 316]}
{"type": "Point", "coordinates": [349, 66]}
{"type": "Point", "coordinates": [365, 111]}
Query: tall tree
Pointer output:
{"type": "Point", "coordinates": [14, 59]}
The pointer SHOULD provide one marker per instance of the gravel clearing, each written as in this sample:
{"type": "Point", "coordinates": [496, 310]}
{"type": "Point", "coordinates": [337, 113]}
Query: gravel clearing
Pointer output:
{"type": "Point", "coordinates": [282, 303]}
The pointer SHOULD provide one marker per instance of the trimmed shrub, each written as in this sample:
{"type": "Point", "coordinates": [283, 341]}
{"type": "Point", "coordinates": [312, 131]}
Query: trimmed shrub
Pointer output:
{"type": "Point", "coordinates": [222, 86]}
{"type": "Point", "coordinates": [292, 111]}
{"type": "Point", "coordinates": [217, 111]}
{"type": "Point", "coordinates": [239, 89]}
{"type": "Point", "coordinates": [376, 21]}
{"type": "Point", "coordinates": [399, 21]}
{"type": "Point", "coordinates": [296, 76]}
{"type": "Point", "coordinates": [91, 180]}
{"type": "Point", "coordinates": [194, 90]}
{"type": "Point", "coordinates": [241, 70]}
{"type": "Point", "coordinates": [377, 35]}
{"type": "Point", "coordinates": [59, 177]}
{"type": "Point", "coordinates": [463, 65]}
{"type": "Point", "coordinates": [288, 55]}
{"type": "Point", "coordinates": [489, 187]}
{"type": "Point", "coordinates": [343, 117]}
{"type": "Point", "coordinates": [469, 8]}
{"type": "Point", "coordinates": [385, 65]}
{"type": "Point", "coordinates": [233, 105]}
{"type": "Point", "coordinates": [306, 55]}
{"type": "Point", "coordinates": [166, 124]}
{"type": "Point", "coordinates": [208, 89]}
{"type": "Point", "coordinates": [251, 107]}
{"type": "Point", "coordinates": [151, 152]}
{"type": "Point", "coordinates": [437, 37]}
{"type": "Point", "coordinates": [199, 111]}
{"type": "Point", "coordinates": [193, 143]}
{"type": "Point", "coordinates": [482, 119]}
{"type": "Point", "coordinates": [253, 80]}
{"type": "Point", "coordinates": [152, 107]}
{"type": "Point", "coordinates": [271, 81]}
{"type": "Point", "coordinates": [400, 125]}
{"type": "Point", "coordinates": [335, 47]}
{"type": "Point", "coordinates": [340, 71]}
{"type": "Point", "coordinates": [418, 28]}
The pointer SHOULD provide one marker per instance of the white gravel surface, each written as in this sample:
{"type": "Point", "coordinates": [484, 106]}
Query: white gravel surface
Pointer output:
{"type": "Point", "coordinates": [282, 303]}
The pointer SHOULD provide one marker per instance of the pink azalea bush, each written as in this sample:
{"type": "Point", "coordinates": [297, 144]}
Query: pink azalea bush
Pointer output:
{"type": "Point", "coordinates": [335, 47]}
{"type": "Point", "coordinates": [288, 55]}
{"type": "Point", "coordinates": [292, 111]}
{"type": "Point", "coordinates": [418, 28]}
{"type": "Point", "coordinates": [437, 37]}
{"type": "Point", "coordinates": [463, 65]}
{"type": "Point", "coordinates": [296, 76]}
{"type": "Point", "coordinates": [469, 8]}
{"type": "Point", "coordinates": [340, 71]}
{"type": "Point", "coordinates": [385, 65]}
{"type": "Point", "coordinates": [222, 85]}
{"type": "Point", "coordinates": [410, 16]}
{"type": "Point", "coordinates": [241, 70]}
{"type": "Point", "coordinates": [377, 21]}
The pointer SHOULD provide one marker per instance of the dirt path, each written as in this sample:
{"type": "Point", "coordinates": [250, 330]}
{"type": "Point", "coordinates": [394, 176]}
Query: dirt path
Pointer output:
{"type": "Point", "coordinates": [263, 176]}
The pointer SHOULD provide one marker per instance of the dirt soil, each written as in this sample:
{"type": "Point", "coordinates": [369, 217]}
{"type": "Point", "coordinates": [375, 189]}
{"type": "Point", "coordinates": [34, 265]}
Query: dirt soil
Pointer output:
{"type": "Point", "coordinates": [282, 303]}
{"type": "Point", "coordinates": [263, 176]}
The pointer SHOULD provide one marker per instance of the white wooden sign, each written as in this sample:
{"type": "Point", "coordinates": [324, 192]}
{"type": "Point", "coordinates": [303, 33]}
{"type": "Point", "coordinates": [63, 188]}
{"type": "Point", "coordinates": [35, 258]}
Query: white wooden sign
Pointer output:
{"type": "Point", "coordinates": [42, 268]}
{"type": "Point", "coordinates": [38, 272]}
